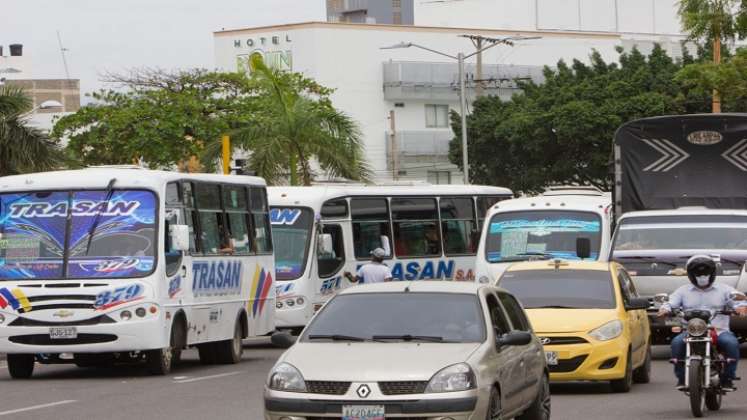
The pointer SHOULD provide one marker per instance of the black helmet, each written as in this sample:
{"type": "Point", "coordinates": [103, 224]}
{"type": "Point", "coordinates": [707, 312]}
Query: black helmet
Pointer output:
{"type": "Point", "coordinates": [700, 266]}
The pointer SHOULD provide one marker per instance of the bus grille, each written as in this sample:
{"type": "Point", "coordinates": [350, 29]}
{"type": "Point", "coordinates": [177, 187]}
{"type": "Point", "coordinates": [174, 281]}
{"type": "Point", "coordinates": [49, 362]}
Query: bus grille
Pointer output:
{"type": "Point", "coordinates": [44, 340]}
{"type": "Point", "coordinates": [25, 322]}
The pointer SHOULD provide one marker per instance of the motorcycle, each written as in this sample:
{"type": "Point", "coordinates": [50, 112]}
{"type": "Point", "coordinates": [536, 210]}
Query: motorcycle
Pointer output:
{"type": "Point", "coordinates": [704, 364]}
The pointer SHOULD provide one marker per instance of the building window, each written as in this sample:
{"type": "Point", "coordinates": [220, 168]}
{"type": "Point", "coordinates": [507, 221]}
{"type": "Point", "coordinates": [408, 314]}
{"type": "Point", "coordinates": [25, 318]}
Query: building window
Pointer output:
{"type": "Point", "coordinates": [439, 177]}
{"type": "Point", "coordinates": [436, 116]}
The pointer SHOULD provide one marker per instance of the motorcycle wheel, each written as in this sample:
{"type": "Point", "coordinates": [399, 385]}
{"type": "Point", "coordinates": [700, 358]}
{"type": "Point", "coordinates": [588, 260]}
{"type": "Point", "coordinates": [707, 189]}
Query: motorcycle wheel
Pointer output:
{"type": "Point", "coordinates": [697, 397]}
{"type": "Point", "coordinates": [713, 399]}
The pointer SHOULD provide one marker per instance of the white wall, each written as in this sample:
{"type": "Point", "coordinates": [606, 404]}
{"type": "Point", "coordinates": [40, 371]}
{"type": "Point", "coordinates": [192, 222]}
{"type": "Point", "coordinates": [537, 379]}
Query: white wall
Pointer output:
{"type": "Point", "coordinates": [636, 16]}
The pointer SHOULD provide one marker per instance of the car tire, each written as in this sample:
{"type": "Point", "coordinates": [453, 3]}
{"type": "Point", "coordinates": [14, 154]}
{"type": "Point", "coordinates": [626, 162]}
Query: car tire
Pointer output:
{"type": "Point", "coordinates": [21, 366]}
{"type": "Point", "coordinates": [642, 375]}
{"type": "Point", "coordinates": [495, 409]}
{"type": "Point", "coordinates": [626, 382]}
{"type": "Point", "coordinates": [540, 408]}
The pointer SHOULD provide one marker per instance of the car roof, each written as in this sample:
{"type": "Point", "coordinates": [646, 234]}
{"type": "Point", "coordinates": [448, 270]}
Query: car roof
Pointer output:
{"type": "Point", "coordinates": [563, 265]}
{"type": "Point", "coordinates": [420, 286]}
{"type": "Point", "coordinates": [684, 211]}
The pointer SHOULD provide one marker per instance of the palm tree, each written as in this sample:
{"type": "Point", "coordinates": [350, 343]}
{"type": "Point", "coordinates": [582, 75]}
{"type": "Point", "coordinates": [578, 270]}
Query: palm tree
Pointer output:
{"type": "Point", "coordinates": [716, 21]}
{"type": "Point", "coordinates": [292, 128]}
{"type": "Point", "coordinates": [23, 148]}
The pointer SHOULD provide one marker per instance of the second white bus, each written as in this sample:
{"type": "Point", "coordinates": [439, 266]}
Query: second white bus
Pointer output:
{"type": "Point", "coordinates": [321, 232]}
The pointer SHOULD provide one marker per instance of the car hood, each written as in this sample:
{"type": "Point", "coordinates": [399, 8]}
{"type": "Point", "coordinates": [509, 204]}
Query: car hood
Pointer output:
{"type": "Point", "coordinates": [551, 320]}
{"type": "Point", "coordinates": [371, 362]}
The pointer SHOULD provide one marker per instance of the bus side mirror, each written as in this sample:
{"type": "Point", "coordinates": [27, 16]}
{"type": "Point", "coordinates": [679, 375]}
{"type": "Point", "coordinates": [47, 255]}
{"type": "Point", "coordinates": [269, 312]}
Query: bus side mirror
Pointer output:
{"type": "Point", "coordinates": [583, 248]}
{"type": "Point", "coordinates": [324, 244]}
{"type": "Point", "coordinates": [179, 237]}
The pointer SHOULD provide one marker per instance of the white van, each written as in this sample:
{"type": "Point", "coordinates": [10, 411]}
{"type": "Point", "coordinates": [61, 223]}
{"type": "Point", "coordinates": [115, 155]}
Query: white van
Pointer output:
{"type": "Point", "coordinates": [321, 232]}
{"type": "Point", "coordinates": [557, 224]}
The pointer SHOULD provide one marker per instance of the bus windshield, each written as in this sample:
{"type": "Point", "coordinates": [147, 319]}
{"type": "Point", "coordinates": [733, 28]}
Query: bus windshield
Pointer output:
{"type": "Point", "coordinates": [45, 234]}
{"type": "Point", "coordinates": [291, 233]}
{"type": "Point", "coordinates": [520, 235]}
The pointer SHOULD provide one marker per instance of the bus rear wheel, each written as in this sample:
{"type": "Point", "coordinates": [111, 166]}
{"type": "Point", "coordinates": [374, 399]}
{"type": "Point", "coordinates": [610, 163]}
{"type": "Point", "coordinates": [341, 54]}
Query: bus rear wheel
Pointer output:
{"type": "Point", "coordinates": [229, 352]}
{"type": "Point", "coordinates": [21, 366]}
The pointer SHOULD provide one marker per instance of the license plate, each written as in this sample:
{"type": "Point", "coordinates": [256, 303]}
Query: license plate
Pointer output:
{"type": "Point", "coordinates": [62, 333]}
{"type": "Point", "coordinates": [362, 412]}
{"type": "Point", "coordinates": [552, 358]}
{"type": "Point", "coordinates": [672, 323]}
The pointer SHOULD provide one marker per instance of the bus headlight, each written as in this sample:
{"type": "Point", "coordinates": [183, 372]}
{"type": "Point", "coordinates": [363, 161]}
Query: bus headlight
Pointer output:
{"type": "Point", "coordinates": [2, 319]}
{"type": "Point", "coordinates": [125, 315]}
{"type": "Point", "coordinates": [279, 305]}
{"type": "Point", "coordinates": [290, 302]}
{"type": "Point", "coordinates": [696, 327]}
{"type": "Point", "coordinates": [140, 312]}
{"type": "Point", "coordinates": [299, 301]}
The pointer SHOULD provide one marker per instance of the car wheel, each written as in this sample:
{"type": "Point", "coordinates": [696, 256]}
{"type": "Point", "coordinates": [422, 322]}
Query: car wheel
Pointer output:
{"type": "Point", "coordinates": [624, 384]}
{"type": "Point", "coordinates": [495, 410]}
{"type": "Point", "coordinates": [21, 366]}
{"type": "Point", "coordinates": [642, 375]}
{"type": "Point", "coordinates": [540, 408]}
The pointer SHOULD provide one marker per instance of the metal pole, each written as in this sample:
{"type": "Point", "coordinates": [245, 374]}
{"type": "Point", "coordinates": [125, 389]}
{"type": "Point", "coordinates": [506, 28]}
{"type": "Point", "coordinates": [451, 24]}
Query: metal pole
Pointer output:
{"type": "Point", "coordinates": [463, 107]}
{"type": "Point", "coordinates": [226, 154]}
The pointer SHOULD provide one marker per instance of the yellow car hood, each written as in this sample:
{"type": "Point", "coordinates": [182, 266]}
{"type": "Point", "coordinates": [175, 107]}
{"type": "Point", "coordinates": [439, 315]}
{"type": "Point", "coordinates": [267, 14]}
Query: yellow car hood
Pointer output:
{"type": "Point", "coordinates": [569, 320]}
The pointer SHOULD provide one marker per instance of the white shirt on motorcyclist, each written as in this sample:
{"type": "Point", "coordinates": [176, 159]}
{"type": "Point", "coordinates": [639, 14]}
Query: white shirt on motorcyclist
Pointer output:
{"type": "Point", "coordinates": [716, 297]}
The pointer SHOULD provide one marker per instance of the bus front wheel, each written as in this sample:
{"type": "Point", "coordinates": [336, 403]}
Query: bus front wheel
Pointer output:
{"type": "Point", "coordinates": [21, 366]}
{"type": "Point", "coordinates": [160, 361]}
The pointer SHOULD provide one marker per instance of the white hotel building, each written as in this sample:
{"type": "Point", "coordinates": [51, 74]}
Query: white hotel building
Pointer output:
{"type": "Point", "coordinates": [419, 87]}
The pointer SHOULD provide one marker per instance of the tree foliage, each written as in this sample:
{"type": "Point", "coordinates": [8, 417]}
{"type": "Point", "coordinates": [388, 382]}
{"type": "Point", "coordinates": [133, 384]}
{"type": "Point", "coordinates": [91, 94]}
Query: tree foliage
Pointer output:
{"type": "Point", "coordinates": [296, 125]}
{"type": "Point", "coordinates": [709, 20]}
{"type": "Point", "coordinates": [23, 148]}
{"type": "Point", "coordinates": [729, 78]}
{"type": "Point", "coordinates": [560, 131]}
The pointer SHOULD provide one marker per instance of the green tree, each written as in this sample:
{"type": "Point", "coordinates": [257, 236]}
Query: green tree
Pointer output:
{"type": "Point", "coordinates": [161, 118]}
{"type": "Point", "coordinates": [296, 125]}
{"type": "Point", "coordinates": [714, 22]}
{"type": "Point", "coordinates": [23, 148]}
{"type": "Point", "coordinates": [560, 131]}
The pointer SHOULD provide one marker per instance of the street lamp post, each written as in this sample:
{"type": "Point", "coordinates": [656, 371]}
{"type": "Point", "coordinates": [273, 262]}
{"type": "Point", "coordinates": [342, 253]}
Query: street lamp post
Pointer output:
{"type": "Point", "coordinates": [460, 58]}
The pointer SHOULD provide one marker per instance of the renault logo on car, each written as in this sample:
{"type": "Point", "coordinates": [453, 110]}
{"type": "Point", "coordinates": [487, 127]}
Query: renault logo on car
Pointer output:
{"type": "Point", "coordinates": [363, 391]}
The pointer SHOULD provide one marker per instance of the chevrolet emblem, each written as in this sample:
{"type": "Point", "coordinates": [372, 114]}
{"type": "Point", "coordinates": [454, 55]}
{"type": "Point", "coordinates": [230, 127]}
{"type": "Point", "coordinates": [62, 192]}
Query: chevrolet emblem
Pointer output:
{"type": "Point", "coordinates": [63, 313]}
{"type": "Point", "coordinates": [679, 271]}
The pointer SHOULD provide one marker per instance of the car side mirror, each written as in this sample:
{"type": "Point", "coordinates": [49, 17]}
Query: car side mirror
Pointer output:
{"type": "Point", "coordinates": [282, 340]}
{"type": "Point", "coordinates": [514, 338]}
{"type": "Point", "coordinates": [636, 304]}
{"type": "Point", "coordinates": [583, 248]}
{"type": "Point", "coordinates": [324, 244]}
{"type": "Point", "coordinates": [179, 237]}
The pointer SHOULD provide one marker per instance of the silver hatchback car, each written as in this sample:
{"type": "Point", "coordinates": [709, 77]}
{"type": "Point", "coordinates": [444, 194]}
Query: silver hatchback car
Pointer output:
{"type": "Point", "coordinates": [412, 350]}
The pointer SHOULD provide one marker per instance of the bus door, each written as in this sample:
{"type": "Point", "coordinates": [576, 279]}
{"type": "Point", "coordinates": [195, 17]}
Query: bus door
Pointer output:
{"type": "Point", "coordinates": [330, 261]}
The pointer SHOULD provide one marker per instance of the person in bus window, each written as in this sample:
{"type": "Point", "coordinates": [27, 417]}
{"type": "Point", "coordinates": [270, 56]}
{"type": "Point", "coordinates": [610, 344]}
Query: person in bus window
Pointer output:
{"type": "Point", "coordinates": [373, 272]}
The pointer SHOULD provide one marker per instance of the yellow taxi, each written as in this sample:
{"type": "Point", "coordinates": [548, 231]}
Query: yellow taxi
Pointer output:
{"type": "Point", "coordinates": [589, 318]}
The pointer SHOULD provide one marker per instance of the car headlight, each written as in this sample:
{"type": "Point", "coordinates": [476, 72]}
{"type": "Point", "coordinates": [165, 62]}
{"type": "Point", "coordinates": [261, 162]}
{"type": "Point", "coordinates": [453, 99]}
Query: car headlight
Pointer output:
{"type": "Point", "coordinates": [457, 377]}
{"type": "Point", "coordinates": [608, 331]}
{"type": "Point", "coordinates": [696, 327]}
{"type": "Point", "coordinates": [285, 377]}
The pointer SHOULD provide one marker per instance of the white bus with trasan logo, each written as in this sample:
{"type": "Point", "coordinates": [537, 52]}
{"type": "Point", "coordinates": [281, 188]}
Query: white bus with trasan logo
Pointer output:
{"type": "Point", "coordinates": [429, 232]}
{"type": "Point", "coordinates": [126, 265]}
{"type": "Point", "coordinates": [569, 223]}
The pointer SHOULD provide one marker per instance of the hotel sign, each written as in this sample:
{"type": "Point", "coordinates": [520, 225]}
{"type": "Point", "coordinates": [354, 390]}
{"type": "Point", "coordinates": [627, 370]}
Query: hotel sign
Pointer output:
{"type": "Point", "coordinates": [274, 50]}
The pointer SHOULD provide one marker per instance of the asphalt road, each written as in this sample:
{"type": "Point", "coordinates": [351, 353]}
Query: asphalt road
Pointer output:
{"type": "Point", "coordinates": [200, 392]}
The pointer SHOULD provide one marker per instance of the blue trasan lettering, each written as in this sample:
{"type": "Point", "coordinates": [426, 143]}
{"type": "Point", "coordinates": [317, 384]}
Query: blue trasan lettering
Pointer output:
{"type": "Point", "coordinates": [79, 208]}
{"type": "Point", "coordinates": [284, 216]}
{"type": "Point", "coordinates": [429, 270]}
{"type": "Point", "coordinates": [216, 277]}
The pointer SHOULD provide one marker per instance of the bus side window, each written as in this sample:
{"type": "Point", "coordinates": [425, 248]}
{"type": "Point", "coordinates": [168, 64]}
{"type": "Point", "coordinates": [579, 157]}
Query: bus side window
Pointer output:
{"type": "Point", "coordinates": [416, 230]}
{"type": "Point", "coordinates": [173, 257]}
{"type": "Point", "coordinates": [370, 224]}
{"type": "Point", "coordinates": [330, 264]}
{"type": "Point", "coordinates": [237, 217]}
{"type": "Point", "coordinates": [483, 206]}
{"type": "Point", "coordinates": [458, 225]}
{"type": "Point", "coordinates": [260, 220]}
{"type": "Point", "coordinates": [190, 218]}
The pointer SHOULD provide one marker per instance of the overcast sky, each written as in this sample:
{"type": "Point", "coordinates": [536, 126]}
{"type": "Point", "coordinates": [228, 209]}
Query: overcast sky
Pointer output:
{"type": "Point", "coordinates": [115, 35]}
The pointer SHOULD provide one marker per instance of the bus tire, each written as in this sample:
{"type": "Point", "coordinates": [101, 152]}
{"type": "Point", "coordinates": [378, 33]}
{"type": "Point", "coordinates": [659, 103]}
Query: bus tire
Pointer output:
{"type": "Point", "coordinates": [207, 353]}
{"type": "Point", "coordinates": [21, 366]}
{"type": "Point", "coordinates": [179, 338]}
{"type": "Point", "coordinates": [229, 351]}
{"type": "Point", "coordinates": [161, 361]}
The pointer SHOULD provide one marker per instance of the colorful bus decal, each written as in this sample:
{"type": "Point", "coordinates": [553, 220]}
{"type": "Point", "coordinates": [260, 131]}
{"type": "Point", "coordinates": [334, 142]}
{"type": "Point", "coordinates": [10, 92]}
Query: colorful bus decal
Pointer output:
{"type": "Point", "coordinates": [261, 285]}
{"type": "Point", "coordinates": [282, 216]}
{"type": "Point", "coordinates": [284, 290]}
{"type": "Point", "coordinates": [210, 278]}
{"type": "Point", "coordinates": [15, 298]}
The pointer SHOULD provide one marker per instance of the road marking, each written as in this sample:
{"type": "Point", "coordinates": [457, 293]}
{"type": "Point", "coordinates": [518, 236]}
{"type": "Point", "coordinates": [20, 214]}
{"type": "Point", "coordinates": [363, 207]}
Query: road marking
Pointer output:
{"type": "Point", "coordinates": [36, 407]}
{"type": "Point", "coordinates": [203, 378]}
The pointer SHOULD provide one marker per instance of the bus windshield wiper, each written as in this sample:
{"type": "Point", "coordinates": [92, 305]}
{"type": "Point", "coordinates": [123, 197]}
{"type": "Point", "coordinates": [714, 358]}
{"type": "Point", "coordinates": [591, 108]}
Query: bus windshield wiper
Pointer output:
{"type": "Point", "coordinates": [95, 224]}
{"type": "Point", "coordinates": [523, 256]}
{"type": "Point", "coordinates": [335, 337]}
{"type": "Point", "coordinates": [408, 337]}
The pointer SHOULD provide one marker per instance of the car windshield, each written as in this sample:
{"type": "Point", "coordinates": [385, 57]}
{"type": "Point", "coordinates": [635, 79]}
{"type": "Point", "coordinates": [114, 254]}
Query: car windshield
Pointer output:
{"type": "Point", "coordinates": [45, 235]}
{"type": "Point", "coordinates": [520, 235]}
{"type": "Point", "coordinates": [577, 289]}
{"type": "Point", "coordinates": [682, 232]}
{"type": "Point", "coordinates": [291, 232]}
{"type": "Point", "coordinates": [401, 316]}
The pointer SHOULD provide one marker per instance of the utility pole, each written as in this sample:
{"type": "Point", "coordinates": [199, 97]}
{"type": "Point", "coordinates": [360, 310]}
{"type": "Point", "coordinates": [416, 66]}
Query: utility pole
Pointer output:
{"type": "Point", "coordinates": [463, 110]}
{"type": "Point", "coordinates": [478, 73]}
{"type": "Point", "coordinates": [393, 146]}
{"type": "Point", "coordinates": [64, 59]}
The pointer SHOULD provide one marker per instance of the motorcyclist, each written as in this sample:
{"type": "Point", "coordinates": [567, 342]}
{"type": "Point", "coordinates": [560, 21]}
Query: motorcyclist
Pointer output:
{"type": "Point", "coordinates": [703, 293]}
